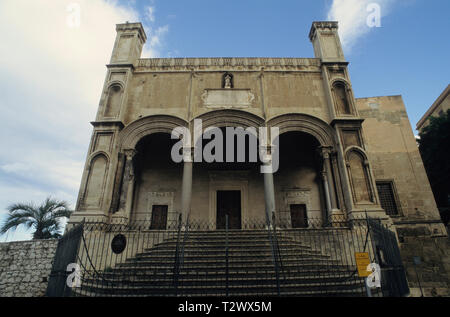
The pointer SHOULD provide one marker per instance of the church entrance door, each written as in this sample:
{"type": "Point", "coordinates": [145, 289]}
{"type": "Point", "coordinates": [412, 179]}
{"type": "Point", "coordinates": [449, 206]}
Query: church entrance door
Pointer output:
{"type": "Point", "coordinates": [229, 203]}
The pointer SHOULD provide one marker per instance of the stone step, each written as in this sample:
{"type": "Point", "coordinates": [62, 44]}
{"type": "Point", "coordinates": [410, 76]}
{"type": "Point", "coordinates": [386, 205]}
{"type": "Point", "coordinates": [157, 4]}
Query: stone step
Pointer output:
{"type": "Point", "coordinates": [221, 267]}
{"type": "Point", "coordinates": [241, 293]}
{"type": "Point", "coordinates": [221, 273]}
{"type": "Point", "coordinates": [231, 250]}
{"type": "Point", "coordinates": [316, 289]}
{"type": "Point", "coordinates": [220, 282]}
{"type": "Point", "coordinates": [247, 244]}
{"type": "Point", "coordinates": [305, 270]}
{"type": "Point", "coordinates": [249, 262]}
{"type": "Point", "coordinates": [193, 257]}
{"type": "Point", "coordinates": [233, 277]}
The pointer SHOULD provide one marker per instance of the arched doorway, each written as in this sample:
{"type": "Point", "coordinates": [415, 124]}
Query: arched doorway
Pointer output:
{"type": "Point", "coordinates": [298, 183]}
{"type": "Point", "coordinates": [231, 182]}
{"type": "Point", "coordinates": [157, 194]}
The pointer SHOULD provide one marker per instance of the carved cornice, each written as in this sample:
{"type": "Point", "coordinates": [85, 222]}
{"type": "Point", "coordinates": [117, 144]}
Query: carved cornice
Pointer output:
{"type": "Point", "coordinates": [321, 25]}
{"type": "Point", "coordinates": [347, 122]}
{"type": "Point", "coordinates": [130, 27]}
{"type": "Point", "coordinates": [120, 65]}
{"type": "Point", "coordinates": [227, 61]}
{"type": "Point", "coordinates": [108, 123]}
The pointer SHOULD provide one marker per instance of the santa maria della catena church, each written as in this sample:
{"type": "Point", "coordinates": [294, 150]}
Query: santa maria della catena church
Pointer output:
{"type": "Point", "coordinates": [341, 159]}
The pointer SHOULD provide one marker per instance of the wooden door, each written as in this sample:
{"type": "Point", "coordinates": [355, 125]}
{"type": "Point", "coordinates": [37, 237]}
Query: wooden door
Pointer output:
{"type": "Point", "coordinates": [298, 216]}
{"type": "Point", "coordinates": [229, 203]}
{"type": "Point", "coordinates": [159, 217]}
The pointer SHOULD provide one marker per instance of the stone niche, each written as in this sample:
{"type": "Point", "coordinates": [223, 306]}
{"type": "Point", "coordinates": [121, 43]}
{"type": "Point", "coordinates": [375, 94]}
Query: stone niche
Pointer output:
{"type": "Point", "coordinates": [227, 98]}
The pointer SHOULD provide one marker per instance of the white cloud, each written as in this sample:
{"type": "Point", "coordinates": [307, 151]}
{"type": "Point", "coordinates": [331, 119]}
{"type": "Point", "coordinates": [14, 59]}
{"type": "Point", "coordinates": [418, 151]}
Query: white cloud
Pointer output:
{"type": "Point", "coordinates": [352, 17]}
{"type": "Point", "coordinates": [155, 37]}
{"type": "Point", "coordinates": [51, 77]}
{"type": "Point", "coordinates": [150, 15]}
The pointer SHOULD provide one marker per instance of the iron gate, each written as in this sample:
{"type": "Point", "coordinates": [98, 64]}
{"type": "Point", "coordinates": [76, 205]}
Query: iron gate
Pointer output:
{"type": "Point", "coordinates": [387, 252]}
{"type": "Point", "coordinates": [66, 253]}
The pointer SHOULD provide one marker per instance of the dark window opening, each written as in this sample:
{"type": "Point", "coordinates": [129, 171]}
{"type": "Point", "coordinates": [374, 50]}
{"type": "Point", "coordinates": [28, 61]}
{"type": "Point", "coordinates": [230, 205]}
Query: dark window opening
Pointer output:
{"type": "Point", "coordinates": [387, 198]}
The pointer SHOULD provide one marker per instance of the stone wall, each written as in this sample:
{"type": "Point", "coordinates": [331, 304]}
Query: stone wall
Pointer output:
{"type": "Point", "coordinates": [25, 267]}
{"type": "Point", "coordinates": [395, 156]}
{"type": "Point", "coordinates": [431, 276]}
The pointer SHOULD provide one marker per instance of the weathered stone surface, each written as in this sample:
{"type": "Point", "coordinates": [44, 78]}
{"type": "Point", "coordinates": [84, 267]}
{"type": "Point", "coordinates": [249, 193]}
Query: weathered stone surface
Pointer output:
{"type": "Point", "coordinates": [361, 142]}
{"type": "Point", "coordinates": [25, 267]}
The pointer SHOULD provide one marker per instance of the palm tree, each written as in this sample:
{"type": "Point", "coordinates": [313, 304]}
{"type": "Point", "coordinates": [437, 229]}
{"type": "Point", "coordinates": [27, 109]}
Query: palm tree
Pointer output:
{"type": "Point", "coordinates": [45, 219]}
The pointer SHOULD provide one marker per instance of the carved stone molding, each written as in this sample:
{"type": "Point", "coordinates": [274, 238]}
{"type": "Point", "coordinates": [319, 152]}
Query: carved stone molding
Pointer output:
{"type": "Point", "coordinates": [305, 123]}
{"type": "Point", "coordinates": [231, 118]}
{"type": "Point", "coordinates": [135, 131]}
{"type": "Point", "coordinates": [227, 98]}
{"type": "Point", "coordinates": [221, 62]}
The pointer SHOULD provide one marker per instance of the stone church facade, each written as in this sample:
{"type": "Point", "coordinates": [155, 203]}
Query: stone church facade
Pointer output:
{"type": "Point", "coordinates": [340, 157]}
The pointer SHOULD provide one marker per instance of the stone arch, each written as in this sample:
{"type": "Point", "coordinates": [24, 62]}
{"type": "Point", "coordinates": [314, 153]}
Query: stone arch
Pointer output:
{"type": "Point", "coordinates": [113, 99]}
{"type": "Point", "coordinates": [95, 154]}
{"type": "Point", "coordinates": [341, 92]}
{"type": "Point", "coordinates": [97, 175]}
{"type": "Point", "coordinates": [230, 118]}
{"type": "Point", "coordinates": [359, 175]}
{"type": "Point", "coordinates": [305, 123]}
{"type": "Point", "coordinates": [135, 131]}
{"type": "Point", "coordinates": [358, 149]}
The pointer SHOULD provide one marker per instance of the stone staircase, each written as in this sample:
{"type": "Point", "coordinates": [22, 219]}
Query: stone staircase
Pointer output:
{"type": "Point", "coordinates": [203, 272]}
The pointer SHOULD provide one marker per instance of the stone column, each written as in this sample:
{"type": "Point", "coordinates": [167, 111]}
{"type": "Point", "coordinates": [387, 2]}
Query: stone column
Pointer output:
{"type": "Point", "coordinates": [131, 181]}
{"type": "Point", "coordinates": [115, 200]}
{"type": "Point", "coordinates": [269, 187]}
{"type": "Point", "coordinates": [337, 181]}
{"type": "Point", "coordinates": [331, 186]}
{"type": "Point", "coordinates": [326, 173]}
{"type": "Point", "coordinates": [186, 187]}
{"type": "Point", "coordinates": [126, 196]}
{"type": "Point", "coordinates": [327, 194]}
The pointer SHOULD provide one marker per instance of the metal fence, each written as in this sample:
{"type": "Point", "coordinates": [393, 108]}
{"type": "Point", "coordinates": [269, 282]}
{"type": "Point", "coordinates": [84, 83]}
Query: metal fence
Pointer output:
{"type": "Point", "coordinates": [192, 258]}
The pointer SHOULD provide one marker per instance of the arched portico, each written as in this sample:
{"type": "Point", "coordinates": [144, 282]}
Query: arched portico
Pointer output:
{"type": "Point", "coordinates": [198, 188]}
{"type": "Point", "coordinates": [130, 137]}
{"type": "Point", "coordinates": [327, 142]}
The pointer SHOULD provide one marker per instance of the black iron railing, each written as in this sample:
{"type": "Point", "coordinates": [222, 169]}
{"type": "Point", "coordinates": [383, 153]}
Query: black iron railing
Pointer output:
{"type": "Point", "coordinates": [265, 257]}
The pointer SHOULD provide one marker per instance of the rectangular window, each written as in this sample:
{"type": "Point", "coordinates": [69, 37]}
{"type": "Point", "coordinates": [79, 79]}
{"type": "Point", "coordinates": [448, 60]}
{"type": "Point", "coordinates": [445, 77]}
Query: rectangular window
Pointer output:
{"type": "Point", "coordinates": [159, 217]}
{"type": "Point", "coordinates": [387, 197]}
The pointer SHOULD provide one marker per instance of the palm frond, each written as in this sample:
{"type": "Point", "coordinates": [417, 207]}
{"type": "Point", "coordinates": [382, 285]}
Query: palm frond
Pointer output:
{"type": "Point", "coordinates": [44, 218]}
{"type": "Point", "coordinates": [14, 220]}
{"type": "Point", "coordinates": [62, 213]}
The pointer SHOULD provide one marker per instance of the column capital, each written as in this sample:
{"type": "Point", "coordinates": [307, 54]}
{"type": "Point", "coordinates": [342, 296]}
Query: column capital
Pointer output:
{"type": "Point", "coordinates": [130, 153]}
{"type": "Point", "coordinates": [325, 152]}
{"type": "Point", "coordinates": [269, 149]}
{"type": "Point", "coordinates": [188, 154]}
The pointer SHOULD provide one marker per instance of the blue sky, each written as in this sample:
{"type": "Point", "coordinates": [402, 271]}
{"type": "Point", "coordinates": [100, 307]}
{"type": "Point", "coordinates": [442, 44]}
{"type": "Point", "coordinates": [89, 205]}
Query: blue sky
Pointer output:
{"type": "Point", "coordinates": [51, 74]}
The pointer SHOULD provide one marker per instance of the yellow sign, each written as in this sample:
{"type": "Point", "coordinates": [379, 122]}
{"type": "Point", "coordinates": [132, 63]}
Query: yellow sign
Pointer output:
{"type": "Point", "coordinates": [362, 261]}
